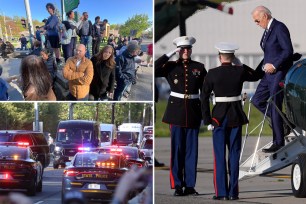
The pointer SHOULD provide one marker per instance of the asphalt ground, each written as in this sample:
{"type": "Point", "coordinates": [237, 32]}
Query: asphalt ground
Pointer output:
{"type": "Point", "coordinates": [271, 188]}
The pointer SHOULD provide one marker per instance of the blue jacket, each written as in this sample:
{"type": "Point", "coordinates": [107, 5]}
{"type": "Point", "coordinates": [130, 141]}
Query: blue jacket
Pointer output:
{"type": "Point", "coordinates": [52, 25]}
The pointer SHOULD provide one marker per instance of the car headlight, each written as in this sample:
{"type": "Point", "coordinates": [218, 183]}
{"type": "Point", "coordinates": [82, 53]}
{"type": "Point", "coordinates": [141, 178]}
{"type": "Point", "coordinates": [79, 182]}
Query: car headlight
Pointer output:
{"type": "Point", "coordinates": [57, 148]}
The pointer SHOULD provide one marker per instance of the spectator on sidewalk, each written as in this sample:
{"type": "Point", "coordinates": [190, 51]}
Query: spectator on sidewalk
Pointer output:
{"type": "Point", "coordinates": [85, 33]}
{"type": "Point", "coordinates": [78, 70]}
{"type": "Point", "coordinates": [50, 62]}
{"type": "Point", "coordinates": [125, 70]}
{"type": "Point", "coordinates": [23, 40]}
{"type": "Point", "coordinates": [37, 48]}
{"type": "Point", "coordinates": [74, 26]}
{"type": "Point", "coordinates": [102, 85]}
{"type": "Point", "coordinates": [66, 33]}
{"type": "Point", "coordinates": [51, 27]}
{"type": "Point", "coordinates": [36, 81]}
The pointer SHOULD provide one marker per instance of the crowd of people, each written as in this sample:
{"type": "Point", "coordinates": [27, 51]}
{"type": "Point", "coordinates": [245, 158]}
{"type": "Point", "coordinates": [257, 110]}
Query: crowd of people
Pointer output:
{"type": "Point", "coordinates": [187, 78]}
{"type": "Point", "coordinates": [104, 74]}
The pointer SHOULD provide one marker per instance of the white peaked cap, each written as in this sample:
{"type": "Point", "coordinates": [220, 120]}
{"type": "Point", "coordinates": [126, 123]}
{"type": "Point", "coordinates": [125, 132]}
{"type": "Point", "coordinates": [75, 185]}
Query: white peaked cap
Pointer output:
{"type": "Point", "coordinates": [184, 41]}
{"type": "Point", "coordinates": [226, 47]}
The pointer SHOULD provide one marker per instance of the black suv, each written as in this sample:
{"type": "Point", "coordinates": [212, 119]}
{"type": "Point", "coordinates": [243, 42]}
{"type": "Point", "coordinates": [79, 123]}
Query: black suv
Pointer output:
{"type": "Point", "coordinates": [73, 136]}
{"type": "Point", "coordinates": [35, 140]}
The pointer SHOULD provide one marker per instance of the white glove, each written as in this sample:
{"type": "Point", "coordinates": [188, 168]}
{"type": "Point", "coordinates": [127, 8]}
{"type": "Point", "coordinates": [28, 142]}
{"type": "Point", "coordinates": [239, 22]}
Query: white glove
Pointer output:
{"type": "Point", "coordinates": [170, 54]}
{"type": "Point", "coordinates": [210, 127]}
{"type": "Point", "coordinates": [237, 62]}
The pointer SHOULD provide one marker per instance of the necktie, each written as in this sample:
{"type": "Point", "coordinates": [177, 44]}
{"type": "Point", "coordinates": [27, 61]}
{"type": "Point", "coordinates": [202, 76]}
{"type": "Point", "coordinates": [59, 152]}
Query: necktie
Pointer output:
{"type": "Point", "coordinates": [264, 37]}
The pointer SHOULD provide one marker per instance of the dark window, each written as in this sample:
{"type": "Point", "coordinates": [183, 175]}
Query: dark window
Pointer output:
{"type": "Point", "coordinates": [105, 136]}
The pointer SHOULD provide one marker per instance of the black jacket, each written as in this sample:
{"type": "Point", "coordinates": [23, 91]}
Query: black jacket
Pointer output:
{"type": "Point", "coordinates": [185, 78]}
{"type": "Point", "coordinates": [103, 79]}
{"type": "Point", "coordinates": [225, 80]}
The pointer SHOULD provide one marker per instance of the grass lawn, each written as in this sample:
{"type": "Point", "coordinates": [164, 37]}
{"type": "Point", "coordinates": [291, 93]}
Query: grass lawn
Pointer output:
{"type": "Point", "coordinates": [162, 129]}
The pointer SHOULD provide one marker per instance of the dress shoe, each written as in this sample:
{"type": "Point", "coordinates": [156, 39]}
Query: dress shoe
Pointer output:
{"type": "Point", "coordinates": [220, 198]}
{"type": "Point", "coordinates": [234, 198]}
{"type": "Point", "coordinates": [190, 191]}
{"type": "Point", "coordinates": [178, 191]}
{"type": "Point", "coordinates": [273, 148]}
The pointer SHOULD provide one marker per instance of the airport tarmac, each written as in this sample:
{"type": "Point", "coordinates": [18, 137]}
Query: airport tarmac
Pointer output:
{"type": "Point", "coordinates": [272, 188]}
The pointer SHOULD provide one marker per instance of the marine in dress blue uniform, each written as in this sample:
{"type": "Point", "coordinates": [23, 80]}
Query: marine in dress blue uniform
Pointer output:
{"type": "Point", "coordinates": [183, 113]}
{"type": "Point", "coordinates": [227, 117]}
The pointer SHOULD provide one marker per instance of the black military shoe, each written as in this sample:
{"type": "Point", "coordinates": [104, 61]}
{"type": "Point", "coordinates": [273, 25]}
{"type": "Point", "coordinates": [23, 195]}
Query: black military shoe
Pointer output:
{"type": "Point", "coordinates": [273, 148]}
{"type": "Point", "coordinates": [234, 198]}
{"type": "Point", "coordinates": [178, 191]}
{"type": "Point", "coordinates": [220, 198]}
{"type": "Point", "coordinates": [190, 191]}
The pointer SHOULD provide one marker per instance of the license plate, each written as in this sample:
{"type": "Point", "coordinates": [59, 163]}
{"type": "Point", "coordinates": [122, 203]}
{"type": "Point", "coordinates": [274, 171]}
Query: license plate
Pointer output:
{"type": "Point", "coordinates": [3, 176]}
{"type": "Point", "coordinates": [94, 186]}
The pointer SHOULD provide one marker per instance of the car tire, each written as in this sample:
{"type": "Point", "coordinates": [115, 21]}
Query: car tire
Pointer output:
{"type": "Point", "coordinates": [32, 188]}
{"type": "Point", "coordinates": [298, 176]}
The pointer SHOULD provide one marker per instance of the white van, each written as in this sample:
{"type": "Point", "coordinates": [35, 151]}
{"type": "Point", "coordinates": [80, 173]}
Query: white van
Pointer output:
{"type": "Point", "coordinates": [108, 134]}
{"type": "Point", "coordinates": [133, 128]}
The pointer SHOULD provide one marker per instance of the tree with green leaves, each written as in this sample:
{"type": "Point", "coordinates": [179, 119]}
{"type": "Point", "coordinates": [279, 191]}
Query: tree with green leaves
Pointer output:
{"type": "Point", "coordinates": [139, 22]}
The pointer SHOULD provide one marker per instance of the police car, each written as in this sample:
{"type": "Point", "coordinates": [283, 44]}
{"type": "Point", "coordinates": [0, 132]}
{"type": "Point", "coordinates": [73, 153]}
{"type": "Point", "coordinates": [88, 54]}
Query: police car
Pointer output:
{"type": "Point", "coordinates": [19, 168]}
{"type": "Point", "coordinates": [133, 155]}
{"type": "Point", "coordinates": [146, 147]}
{"type": "Point", "coordinates": [94, 174]}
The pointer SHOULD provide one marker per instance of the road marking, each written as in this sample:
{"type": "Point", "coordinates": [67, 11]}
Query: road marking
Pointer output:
{"type": "Point", "coordinates": [39, 202]}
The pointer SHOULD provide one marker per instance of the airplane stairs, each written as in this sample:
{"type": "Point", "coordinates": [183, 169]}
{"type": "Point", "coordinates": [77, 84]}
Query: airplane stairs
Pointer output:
{"type": "Point", "coordinates": [260, 163]}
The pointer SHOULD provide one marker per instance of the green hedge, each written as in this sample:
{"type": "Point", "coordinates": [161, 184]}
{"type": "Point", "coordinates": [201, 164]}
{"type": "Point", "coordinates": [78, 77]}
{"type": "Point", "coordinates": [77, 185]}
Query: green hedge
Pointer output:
{"type": "Point", "coordinates": [162, 129]}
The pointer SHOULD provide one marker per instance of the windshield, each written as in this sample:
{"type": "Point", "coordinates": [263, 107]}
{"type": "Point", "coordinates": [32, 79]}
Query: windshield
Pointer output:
{"type": "Point", "coordinates": [127, 136]}
{"type": "Point", "coordinates": [13, 153]}
{"type": "Point", "coordinates": [5, 137]}
{"type": "Point", "coordinates": [105, 136]}
{"type": "Point", "coordinates": [75, 135]}
{"type": "Point", "coordinates": [148, 144]}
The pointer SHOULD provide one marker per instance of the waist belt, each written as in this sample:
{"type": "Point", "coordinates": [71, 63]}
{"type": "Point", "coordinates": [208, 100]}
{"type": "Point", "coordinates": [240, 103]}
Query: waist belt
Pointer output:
{"type": "Point", "coordinates": [228, 99]}
{"type": "Point", "coordinates": [186, 96]}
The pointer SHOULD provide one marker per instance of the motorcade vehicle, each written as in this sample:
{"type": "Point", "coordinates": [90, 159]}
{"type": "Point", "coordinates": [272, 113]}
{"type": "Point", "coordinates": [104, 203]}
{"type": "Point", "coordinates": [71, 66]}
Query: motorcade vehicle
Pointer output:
{"type": "Point", "coordinates": [19, 168]}
{"type": "Point", "coordinates": [95, 174]}
{"type": "Point", "coordinates": [146, 147]}
{"type": "Point", "coordinates": [132, 154]}
{"type": "Point", "coordinates": [73, 136]}
{"type": "Point", "coordinates": [108, 134]}
{"type": "Point", "coordinates": [130, 133]}
{"type": "Point", "coordinates": [36, 141]}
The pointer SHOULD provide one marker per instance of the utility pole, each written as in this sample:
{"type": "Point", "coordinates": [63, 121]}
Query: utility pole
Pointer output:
{"type": "Point", "coordinates": [144, 114]}
{"type": "Point", "coordinates": [71, 111]}
{"type": "Point", "coordinates": [129, 112]}
{"type": "Point", "coordinates": [11, 32]}
{"type": "Point", "coordinates": [29, 17]}
{"type": "Point", "coordinates": [36, 116]}
{"type": "Point", "coordinates": [1, 31]}
{"type": "Point", "coordinates": [63, 10]}
{"type": "Point", "coordinates": [113, 113]}
{"type": "Point", "coordinates": [4, 26]}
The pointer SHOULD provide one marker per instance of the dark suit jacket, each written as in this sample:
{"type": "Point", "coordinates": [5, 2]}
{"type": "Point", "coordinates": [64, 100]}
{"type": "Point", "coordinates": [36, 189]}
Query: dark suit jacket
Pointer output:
{"type": "Point", "coordinates": [225, 80]}
{"type": "Point", "coordinates": [277, 46]}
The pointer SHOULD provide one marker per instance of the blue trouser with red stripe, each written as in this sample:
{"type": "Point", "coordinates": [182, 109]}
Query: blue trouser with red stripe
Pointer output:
{"type": "Point", "coordinates": [184, 156]}
{"type": "Point", "coordinates": [231, 137]}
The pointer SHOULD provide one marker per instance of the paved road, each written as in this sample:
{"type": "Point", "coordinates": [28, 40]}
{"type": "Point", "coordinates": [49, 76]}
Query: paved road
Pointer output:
{"type": "Point", "coordinates": [141, 91]}
{"type": "Point", "coordinates": [274, 188]}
